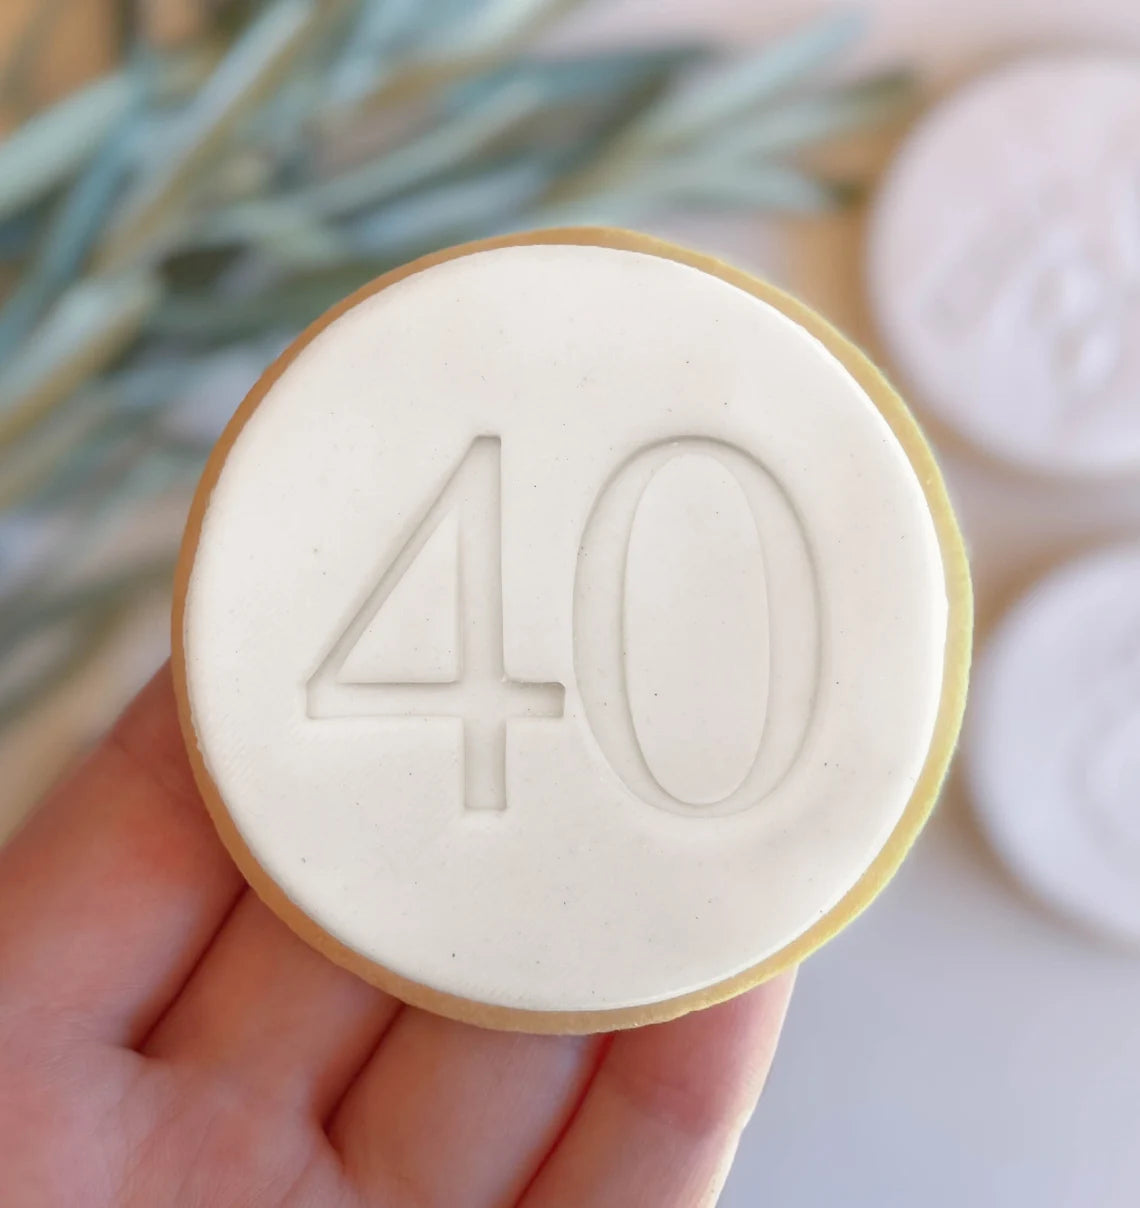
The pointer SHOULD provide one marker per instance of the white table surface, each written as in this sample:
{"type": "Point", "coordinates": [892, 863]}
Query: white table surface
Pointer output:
{"type": "Point", "coordinates": [958, 1046]}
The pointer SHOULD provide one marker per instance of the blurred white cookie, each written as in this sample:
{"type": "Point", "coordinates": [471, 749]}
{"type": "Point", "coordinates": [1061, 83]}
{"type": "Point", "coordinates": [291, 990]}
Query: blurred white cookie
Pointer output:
{"type": "Point", "coordinates": [1053, 740]}
{"type": "Point", "coordinates": [572, 632]}
{"type": "Point", "coordinates": [1004, 263]}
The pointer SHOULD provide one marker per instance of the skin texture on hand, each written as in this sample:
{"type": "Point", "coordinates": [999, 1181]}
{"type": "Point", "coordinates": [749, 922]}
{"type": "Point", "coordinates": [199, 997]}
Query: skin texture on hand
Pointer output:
{"type": "Point", "coordinates": [166, 1040]}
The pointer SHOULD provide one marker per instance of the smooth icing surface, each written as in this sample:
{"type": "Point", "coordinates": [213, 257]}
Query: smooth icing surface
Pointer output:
{"type": "Point", "coordinates": [680, 645]}
{"type": "Point", "coordinates": [1004, 263]}
{"type": "Point", "coordinates": [1054, 740]}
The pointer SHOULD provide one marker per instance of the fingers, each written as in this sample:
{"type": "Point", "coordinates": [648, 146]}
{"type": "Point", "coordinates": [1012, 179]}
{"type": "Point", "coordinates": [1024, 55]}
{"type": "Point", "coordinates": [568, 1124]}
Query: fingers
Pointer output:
{"type": "Point", "coordinates": [660, 1122]}
{"type": "Point", "coordinates": [266, 1008]}
{"type": "Point", "coordinates": [448, 1114]}
{"type": "Point", "coordinates": [115, 885]}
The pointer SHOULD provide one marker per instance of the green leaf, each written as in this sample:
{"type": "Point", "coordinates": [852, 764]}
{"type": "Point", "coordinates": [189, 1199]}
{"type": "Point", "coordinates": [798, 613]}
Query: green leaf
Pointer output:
{"type": "Point", "coordinates": [480, 114]}
{"type": "Point", "coordinates": [813, 119]}
{"type": "Point", "coordinates": [568, 79]}
{"type": "Point", "coordinates": [253, 224]}
{"type": "Point", "coordinates": [205, 320]}
{"type": "Point", "coordinates": [46, 640]}
{"type": "Point", "coordinates": [470, 29]}
{"type": "Point", "coordinates": [154, 403]}
{"type": "Point", "coordinates": [587, 102]}
{"type": "Point", "coordinates": [447, 145]}
{"type": "Point", "coordinates": [446, 46]}
{"type": "Point", "coordinates": [465, 208]}
{"type": "Point", "coordinates": [127, 458]}
{"type": "Point", "coordinates": [382, 29]}
{"type": "Point", "coordinates": [285, 127]}
{"type": "Point", "coordinates": [104, 398]}
{"type": "Point", "coordinates": [30, 461]}
{"type": "Point", "coordinates": [772, 187]}
{"type": "Point", "coordinates": [251, 69]}
{"type": "Point", "coordinates": [111, 444]}
{"type": "Point", "coordinates": [17, 235]}
{"type": "Point", "coordinates": [68, 238]}
{"type": "Point", "coordinates": [777, 188]}
{"type": "Point", "coordinates": [57, 142]}
{"type": "Point", "coordinates": [728, 92]}
{"type": "Point", "coordinates": [87, 328]}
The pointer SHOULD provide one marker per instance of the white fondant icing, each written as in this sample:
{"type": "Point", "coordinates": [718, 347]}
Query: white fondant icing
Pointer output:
{"type": "Point", "coordinates": [701, 625]}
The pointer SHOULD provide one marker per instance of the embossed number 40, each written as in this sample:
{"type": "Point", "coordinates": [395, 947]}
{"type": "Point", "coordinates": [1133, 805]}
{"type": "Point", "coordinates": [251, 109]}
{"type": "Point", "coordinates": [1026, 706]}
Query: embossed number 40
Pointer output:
{"type": "Point", "coordinates": [485, 698]}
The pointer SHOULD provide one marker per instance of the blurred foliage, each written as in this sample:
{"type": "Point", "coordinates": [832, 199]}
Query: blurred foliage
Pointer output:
{"type": "Point", "coordinates": [168, 227]}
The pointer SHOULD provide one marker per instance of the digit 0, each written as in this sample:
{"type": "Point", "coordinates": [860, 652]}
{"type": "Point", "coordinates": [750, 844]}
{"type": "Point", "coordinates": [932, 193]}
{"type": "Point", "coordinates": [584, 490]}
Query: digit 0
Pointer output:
{"type": "Point", "coordinates": [791, 641]}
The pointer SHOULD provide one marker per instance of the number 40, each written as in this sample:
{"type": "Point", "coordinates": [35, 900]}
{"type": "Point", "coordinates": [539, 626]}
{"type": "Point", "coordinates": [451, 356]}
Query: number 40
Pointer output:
{"type": "Point", "coordinates": [485, 698]}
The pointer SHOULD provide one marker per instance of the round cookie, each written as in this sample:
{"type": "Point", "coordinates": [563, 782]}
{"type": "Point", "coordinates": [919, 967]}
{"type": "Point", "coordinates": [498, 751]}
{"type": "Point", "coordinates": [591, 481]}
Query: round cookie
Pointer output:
{"type": "Point", "coordinates": [1053, 749]}
{"type": "Point", "coordinates": [1004, 263]}
{"type": "Point", "coordinates": [570, 631]}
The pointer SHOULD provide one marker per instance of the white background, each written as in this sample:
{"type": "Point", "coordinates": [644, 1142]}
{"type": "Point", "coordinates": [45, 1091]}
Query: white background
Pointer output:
{"type": "Point", "coordinates": [958, 1047]}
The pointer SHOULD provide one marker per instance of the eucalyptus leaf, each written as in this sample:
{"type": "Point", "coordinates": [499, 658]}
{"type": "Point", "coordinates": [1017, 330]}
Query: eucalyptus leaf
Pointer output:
{"type": "Point", "coordinates": [588, 102]}
{"type": "Point", "coordinates": [439, 57]}
{"type": "Point", "coordinates": [86, 329]}
{"type": "Point", "coordinates": [252, 223]}
{"type": "Point", "coordinates": [281, 232]}
{"type": "Point", "coordinates": [30, 462]}
{"type": "Point", "coordinates": [173, 403]}
{"type": "Point", "coordinates": [696, 184]}
{"type": "Point", "coordinates": [477, 27]}
{"type": "Point", "coordinates": [449, 144]}
{"type": "Point", "coordinates": [253, 66]}
{"type": "Point", "coordinates": [566, 79]}
{"type": "Point", "coordinates": [279, 125]}
{"type": "Point", "coordinates": [616, 206]}
{"type": "Point", "coordinates": [300, 244]}
{"type": "Point", "coordinates": [17, 235]}
{"type": "Point", "coordinates": [471, 205]}
{"type": "Point", "coordinates": [94, 525]}
{"type": "Point", "coordinates": [151, 382]}
{"type": "Point", "coordinates": [723, 100]}
{"type": "Point", "coordinates": [774, 187]}
{"type": "Point", "coordinates": [812, 119]}
{"type": "Point", "coordinates": [112, 444]}
{"type": "Point", "coordinates": [289, 154]}
{"type": "Point", "coordinates": [17, 622]}
{"type": "Point", "coordinates": [205, 320]}
{"type": "Point", "coordinates": [290, 117]}
{"type": "Point", "coordinates": [483, 112]}
{"type": "Point", "coordinates": [44, 656]}
{"type": "Point", "coordinates": [69, 236]}
{"type": "Point", "coordinates": [45, 641]}
{"type": "Point", "coordinates": [59, 141]}
{"type": "Point", "coordinates": [728, 92]}
{"type": "Point", "coordinates": [382, 29]}
{"type": "Point", "coordinates": [126, 460]}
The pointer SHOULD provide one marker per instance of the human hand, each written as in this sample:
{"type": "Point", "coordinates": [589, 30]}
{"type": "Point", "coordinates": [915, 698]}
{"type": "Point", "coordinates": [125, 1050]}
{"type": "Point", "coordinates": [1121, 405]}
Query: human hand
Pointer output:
{"type": "Point", "coordinates": [165, 1041]}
